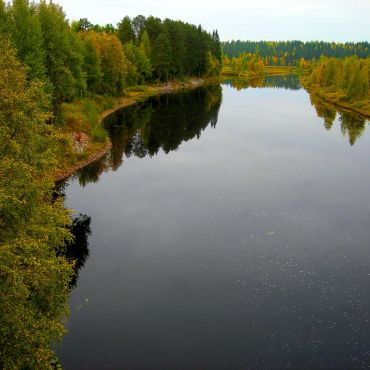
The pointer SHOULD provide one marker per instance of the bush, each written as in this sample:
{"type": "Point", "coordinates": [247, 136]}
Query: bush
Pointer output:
{"type": "Point", "coordinates": [98, 134]}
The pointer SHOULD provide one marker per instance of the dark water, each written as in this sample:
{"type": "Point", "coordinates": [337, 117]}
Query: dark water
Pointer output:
{"type": "Point", "coordinates": [231, 235]}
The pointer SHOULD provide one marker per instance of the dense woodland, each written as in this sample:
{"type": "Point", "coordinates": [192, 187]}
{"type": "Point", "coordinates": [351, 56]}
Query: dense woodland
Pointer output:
{"type": "Point", "coordinates": [289, 53]}
{"type": "Point", "coordinates": [81, 58]}
{"type": "Point", "coordinates": [345, 82]}
{"type": "Point", "coordinates": [350, 75]}
{"type": "Point", "coordinates": [46, 61]}
{"type": "Point", "coordinates": [33, 224]}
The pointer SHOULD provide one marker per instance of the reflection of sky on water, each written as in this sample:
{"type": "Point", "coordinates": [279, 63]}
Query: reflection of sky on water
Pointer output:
{"type": "Point", "coordinates": [247, 248]}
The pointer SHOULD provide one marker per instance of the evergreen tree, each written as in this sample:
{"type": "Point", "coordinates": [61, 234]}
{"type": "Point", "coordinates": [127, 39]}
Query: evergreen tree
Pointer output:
{"type": "Point", "coordinates": [125, 32]}
{"type": "Point", "coordinates": [140, 66]}
{"type": "Point", "coordinates": [162, 56]}
{"type": "Point", "coordinates": [153, 27]}
{"type": "Point", "coordinates": [145, 43]}
{"type": "Point", "coordinates": [91, 65]}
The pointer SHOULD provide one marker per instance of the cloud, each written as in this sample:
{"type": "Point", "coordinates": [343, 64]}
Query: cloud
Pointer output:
{"type": "Point", "coordinates": [337, 20]}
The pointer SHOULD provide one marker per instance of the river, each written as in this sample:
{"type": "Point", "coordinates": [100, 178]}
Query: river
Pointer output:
{"type": "Point", "coordinates": [228, 228]}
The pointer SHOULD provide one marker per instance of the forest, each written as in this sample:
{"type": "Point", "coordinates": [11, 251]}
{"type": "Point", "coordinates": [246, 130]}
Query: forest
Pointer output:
{"type": "Point", "coordinates": [342, 81]}
{"type": "Point", "coordinates": [47, 62]}
{"type": "Point", "coordinates": [80, 58]}
{"type": "Point", "coordinates": [52, 71]}
{"type": "Point", "coordinates": [289, 53]}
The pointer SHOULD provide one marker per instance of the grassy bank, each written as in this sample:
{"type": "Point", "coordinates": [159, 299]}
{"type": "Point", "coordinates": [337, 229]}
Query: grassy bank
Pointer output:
{"type": "Point", "coordinates": [337, 97]}
{"type": "Point", "coordinates": [83, 139]}
{"type": "Point", "coordinates": [267, 71]}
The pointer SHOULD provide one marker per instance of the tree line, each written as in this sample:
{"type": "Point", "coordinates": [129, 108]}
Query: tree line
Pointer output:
{"type": "Point", "coordinates": [81, 58]}
{"type": "Point", "coordinates": [290, 52]}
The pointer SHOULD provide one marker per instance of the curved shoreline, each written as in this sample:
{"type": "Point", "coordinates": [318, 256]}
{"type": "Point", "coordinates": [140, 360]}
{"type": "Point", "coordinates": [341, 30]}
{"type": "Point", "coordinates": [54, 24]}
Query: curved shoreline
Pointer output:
{"type": "Point", "coordinates": [124, 102]}
{"type": "Point", "coordinates": [339, 104]}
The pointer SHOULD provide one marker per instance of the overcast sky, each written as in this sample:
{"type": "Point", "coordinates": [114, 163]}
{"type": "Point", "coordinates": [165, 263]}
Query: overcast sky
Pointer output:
{"type": "Point", "coordinates": [328, 20]}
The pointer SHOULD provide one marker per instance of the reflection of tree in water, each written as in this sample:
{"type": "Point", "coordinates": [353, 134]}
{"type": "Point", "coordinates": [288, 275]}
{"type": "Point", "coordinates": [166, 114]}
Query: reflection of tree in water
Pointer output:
{"type": "Point", "coordinates": [77, 250]}
{"type": "Point", "coordinates": [181, 117]}
{"type": "Point", "coordinates": [92, 172]}
{"type": "Point", "coordinates": [325, 111]}
{"type": "Point", "coordinates": [136, 146]}
{"type": "Point", "coordinates": [289, 82]}
{"type": "Point", "coordinates": [159, 123]}
{"type": "Point", "coordinates": [352, 124]}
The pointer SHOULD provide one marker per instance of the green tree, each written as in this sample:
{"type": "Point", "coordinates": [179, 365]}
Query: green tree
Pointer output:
{"type": "Point", "coordinates": [125, 32]}
{"type": "Point", "coordinates": [4, 19]}
{"type": "Point", "coordinates": [91, 65]}
{"type": "Point", "coordinates": [138, 24]}
{"type": "Point", "coordinates": [331, 71]}
{"type": "Point", "coordinates": [25, 31]}
{"type": "Point", "coordinates": [63, 53]}
{"type": "Point", "coordinates": [145, 44]}
{"type": "Point", "coordinates": [83, 24]}
{"type": "Point", "coordinates": [140, 66]}
{"type": "Point", "coordinates": [359, 85]}
{"type": "Point", "coordinates": [348, 69]}
{"type": "Point", "coordinates": [33, 279]}
{"type": "Point", "coordinates": [162, 56]}
{"type": "Point", "coordinates": [113, 64]}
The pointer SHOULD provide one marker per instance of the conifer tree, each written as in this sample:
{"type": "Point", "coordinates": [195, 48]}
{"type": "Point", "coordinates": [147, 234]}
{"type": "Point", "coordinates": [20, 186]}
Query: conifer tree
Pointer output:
{"type": "Point", "coordinates": [125, 32]}
{"type": "Point", "coordinates": [162, 56]}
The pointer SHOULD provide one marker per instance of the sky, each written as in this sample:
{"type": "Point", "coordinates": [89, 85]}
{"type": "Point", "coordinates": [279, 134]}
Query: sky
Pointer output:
{"type": "Point", "coordinates": [327, 20]}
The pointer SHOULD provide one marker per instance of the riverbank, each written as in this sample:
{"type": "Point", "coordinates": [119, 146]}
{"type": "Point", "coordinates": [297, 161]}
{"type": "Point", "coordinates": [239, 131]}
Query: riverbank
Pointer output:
{"type": "Point", "coordinates": [84, 140]}
{"type": "Point", "coordinates": [337, 98]}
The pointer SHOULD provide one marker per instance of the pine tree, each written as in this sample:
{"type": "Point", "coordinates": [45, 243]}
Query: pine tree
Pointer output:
{"type": "Point", "coordinates": [145, 44]}
{"type": "Point", "coordinates": [162, 56]}
{"type": "Point", "coordinates": [125, 32]}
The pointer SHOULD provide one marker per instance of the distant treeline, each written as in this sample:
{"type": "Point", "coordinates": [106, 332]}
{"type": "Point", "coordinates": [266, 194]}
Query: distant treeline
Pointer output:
{"type": "Point", "coordinates": [79, 58]}
{"type": "Point", "coordinates": [288, 82]}
{"type": "Point", "coordinates": [291, 52]}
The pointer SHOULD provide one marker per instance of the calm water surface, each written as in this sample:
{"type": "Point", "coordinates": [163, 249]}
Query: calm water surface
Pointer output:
{"type": "Point", "coordinates": [224, 235]}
